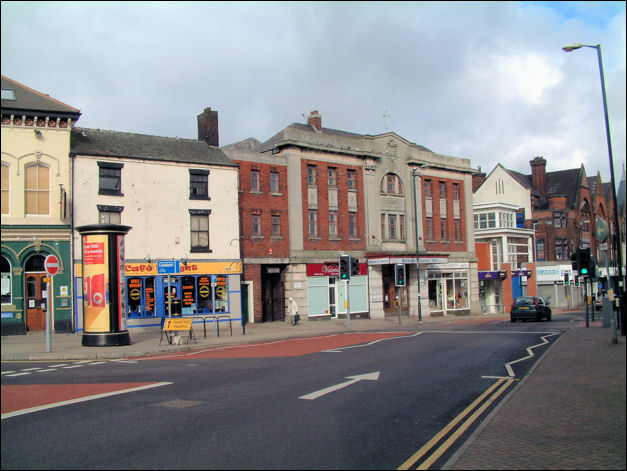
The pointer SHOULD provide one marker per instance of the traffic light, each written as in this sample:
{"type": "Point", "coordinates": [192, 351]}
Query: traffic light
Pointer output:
{"type": "Point", "coordinates": [354, 266]}
{"type": "Point", "coordinates": [566, 278]}
{"type": "Point", "coordinates": [574, 257]}
{"type": "Point", "coordinates": [576, 280]}
{"type": "Point", "coordinates": [583, 262]}
{"type": "Point", "coordinates": [399, 274]}
{"type": "Point", "coordinates": [345, 263]}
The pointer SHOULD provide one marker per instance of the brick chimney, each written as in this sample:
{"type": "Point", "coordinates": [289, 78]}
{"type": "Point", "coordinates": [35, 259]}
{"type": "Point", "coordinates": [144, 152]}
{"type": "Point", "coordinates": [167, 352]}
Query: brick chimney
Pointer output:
{"type": "Point", "coordinates": [208, 127]}
{"type": "Point", "coordinates": [477, 179]}
{"type": "Point", "coordinates": [538, 174]}
{"type": "Point", "coordinates": [315, 121]}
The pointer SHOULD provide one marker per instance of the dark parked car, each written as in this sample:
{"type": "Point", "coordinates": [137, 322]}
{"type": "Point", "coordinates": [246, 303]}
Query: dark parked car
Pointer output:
{"type": "Point", "coordinates": [530, 307]}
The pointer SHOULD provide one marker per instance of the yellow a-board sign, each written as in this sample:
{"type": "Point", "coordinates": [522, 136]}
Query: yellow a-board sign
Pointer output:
{"type": "Point", "coordinates": [177, 324]}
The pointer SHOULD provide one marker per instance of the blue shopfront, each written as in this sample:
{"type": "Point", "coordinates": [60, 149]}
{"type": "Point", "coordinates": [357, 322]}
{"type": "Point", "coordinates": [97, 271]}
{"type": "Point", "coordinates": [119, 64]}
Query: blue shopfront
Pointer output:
{"type": "Point", "coordinates": [196, 289]}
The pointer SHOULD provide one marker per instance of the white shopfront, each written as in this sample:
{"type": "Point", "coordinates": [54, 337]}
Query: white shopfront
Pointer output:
{"type": "Point", "coordinates": [448, 288]}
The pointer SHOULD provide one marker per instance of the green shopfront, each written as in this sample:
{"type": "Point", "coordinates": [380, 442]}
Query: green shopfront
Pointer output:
{"type": "Point", "coordinates": [27, 290]}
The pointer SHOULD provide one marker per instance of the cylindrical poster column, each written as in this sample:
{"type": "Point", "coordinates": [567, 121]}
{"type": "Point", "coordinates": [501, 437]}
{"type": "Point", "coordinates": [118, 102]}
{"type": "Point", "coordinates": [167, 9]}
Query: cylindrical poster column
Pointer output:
{"type": "Point", "coordinates": [104, 285]}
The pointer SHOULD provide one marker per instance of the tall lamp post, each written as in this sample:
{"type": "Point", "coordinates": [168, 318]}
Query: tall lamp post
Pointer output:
{"type": "Point", "coordinates": [414, 173]}
{"type": "Point", "coordinates": [618, 246]}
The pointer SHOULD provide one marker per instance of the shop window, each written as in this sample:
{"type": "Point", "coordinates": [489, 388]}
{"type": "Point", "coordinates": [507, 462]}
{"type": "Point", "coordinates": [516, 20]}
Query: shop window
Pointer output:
{"type": "Point", "coordinates": [199, 185]}
{"type": "Point", "coordinates": [110, 179]}
{"type": "Point", "coordinates": [5, 281]}
{"type": "Point", "coordinates": [37, 189]}
{"type": "Point", "coordinates": [204, 294]}
{"type": "Point", "coordinates": [188, 295]}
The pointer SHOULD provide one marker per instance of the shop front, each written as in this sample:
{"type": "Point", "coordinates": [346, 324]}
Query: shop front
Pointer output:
{"type": "Point", "coordinates": [448, 289]}
{"type": "Point", "coordinates": [326, 293]}
{"type": "Point", "coordinates": [28, 293]}
{"type": "Point", "coordinates": [198, 289]}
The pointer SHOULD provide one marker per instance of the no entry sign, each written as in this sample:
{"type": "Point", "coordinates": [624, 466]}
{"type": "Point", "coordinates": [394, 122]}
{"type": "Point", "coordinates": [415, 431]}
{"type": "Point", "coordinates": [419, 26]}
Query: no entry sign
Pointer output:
{"type": "Point", "coordinates": [51, 264]}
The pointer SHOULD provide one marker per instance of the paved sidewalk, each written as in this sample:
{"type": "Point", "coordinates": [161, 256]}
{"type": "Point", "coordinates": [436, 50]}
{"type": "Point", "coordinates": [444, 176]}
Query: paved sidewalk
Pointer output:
{"type": "Point", "coordinates": [567, 413]}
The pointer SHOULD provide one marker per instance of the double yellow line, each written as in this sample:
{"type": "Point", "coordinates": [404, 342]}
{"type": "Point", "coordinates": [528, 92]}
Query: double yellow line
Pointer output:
{"type": "Point", "coordinates": [491, 394]}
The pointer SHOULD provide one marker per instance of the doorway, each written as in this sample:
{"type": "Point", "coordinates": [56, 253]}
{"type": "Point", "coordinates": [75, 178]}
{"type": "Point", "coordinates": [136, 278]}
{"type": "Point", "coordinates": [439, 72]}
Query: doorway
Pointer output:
{"type": "Point", "coordinates": [273, 294]}
{"type": "Point", "coordinates": [36, 293]}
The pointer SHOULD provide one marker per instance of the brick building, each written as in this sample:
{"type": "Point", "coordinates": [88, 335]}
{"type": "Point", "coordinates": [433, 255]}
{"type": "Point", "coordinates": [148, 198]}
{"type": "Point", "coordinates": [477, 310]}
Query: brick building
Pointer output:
{"type": "Point", "coordinates": [309, 194]}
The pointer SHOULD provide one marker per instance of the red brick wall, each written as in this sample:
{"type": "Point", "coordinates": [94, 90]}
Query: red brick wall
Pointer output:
{"type": "Point", "coordinates": [437, 245]}
{"type": "Point", "coordinates": [532, 285]}
{"type": "Point", "coordinates": [322, 241]}
{"type": "Point", "coordinates": [482, 250]}
{"type": "Point", "coordinates": [264, 204]}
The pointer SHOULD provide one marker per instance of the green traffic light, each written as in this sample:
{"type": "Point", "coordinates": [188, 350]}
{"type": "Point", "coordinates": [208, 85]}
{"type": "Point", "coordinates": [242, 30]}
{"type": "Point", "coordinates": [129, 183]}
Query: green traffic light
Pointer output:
{"type": "Point", "coordinates": [584, 271]}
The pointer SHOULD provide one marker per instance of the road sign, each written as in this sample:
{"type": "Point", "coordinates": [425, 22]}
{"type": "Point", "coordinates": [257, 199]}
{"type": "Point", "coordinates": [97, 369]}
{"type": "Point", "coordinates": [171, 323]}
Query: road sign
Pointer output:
{"type": "Point", "coordinates": [165, 267]}
{"type": "Point", "coordinates": [51, 264]}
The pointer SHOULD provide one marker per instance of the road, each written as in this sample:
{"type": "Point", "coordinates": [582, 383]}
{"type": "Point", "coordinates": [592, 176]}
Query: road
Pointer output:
{"type": "Point", "coordinates": [349, 401]}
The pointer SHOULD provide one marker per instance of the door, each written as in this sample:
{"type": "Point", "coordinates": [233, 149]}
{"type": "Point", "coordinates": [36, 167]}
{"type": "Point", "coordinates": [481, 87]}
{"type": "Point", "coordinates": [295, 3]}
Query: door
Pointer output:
{"type": "Point", "coordinates": [174, 296]}
{"type": "Point", "coordinates": [273, 295]}
{"type": "Point", "coordinates": [36, 301]}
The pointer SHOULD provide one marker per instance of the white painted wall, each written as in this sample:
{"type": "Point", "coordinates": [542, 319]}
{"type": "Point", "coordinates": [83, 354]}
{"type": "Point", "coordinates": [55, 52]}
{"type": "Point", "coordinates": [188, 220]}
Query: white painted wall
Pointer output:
{"type": "Point", "coordinates": [156, 205]}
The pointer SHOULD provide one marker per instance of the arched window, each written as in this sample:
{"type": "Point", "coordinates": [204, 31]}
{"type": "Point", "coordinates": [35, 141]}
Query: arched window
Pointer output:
{"type": "Point", "coordinates": [37, 189]}
{"type": "Point", "coordinates": [5, 189]}
{"type": "Point", "coordinates": [35, 264]}
{"type": "Point", "coordinates": [391, 185]}
{"type": "Point", "coordinates": [585, 217]}
{"type": "Point", "coordinates": [6, 280]}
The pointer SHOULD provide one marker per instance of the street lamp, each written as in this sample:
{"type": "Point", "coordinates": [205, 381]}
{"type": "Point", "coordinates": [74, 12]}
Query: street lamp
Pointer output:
{"type": "Point", "coordinates": [414, 173]}
{"type": "Point", "coordinates": [618, 247]}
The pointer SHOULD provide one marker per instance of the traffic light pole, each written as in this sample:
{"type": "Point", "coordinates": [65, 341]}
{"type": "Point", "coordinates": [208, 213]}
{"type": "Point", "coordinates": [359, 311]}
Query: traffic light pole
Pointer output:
{"type": "Point", "coordinates": [348, 305]}
{"type": "Point", "coordinates": [585, 297]}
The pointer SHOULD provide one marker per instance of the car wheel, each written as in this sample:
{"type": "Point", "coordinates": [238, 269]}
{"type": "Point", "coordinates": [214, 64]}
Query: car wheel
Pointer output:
{"type": "Point", "coordinates": [548, 317]}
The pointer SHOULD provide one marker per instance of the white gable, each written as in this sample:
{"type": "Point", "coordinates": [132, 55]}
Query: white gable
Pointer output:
{"type": "Point", "coordinates": [501, 187]}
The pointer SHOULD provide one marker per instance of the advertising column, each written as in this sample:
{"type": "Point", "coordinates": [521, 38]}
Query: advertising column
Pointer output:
{"type": "Point", "coordinates": [104, 285]}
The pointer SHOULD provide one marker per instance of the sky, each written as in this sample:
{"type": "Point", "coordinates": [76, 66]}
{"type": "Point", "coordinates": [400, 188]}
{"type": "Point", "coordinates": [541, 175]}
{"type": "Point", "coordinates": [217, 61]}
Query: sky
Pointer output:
{"type": "Point", "coordinates": [486, 81]}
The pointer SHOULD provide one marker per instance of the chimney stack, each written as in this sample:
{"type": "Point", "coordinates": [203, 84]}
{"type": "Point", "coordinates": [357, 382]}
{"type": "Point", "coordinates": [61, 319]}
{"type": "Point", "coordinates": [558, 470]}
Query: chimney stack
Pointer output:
{"type": "Point", "coordinates": [208, 127]}
{"type": "Point", "coordinates": [538, 174]}
{"type": "Point", "coordinates": [477, 179]}
{"type": "Point", "coordinates": [315, 121]}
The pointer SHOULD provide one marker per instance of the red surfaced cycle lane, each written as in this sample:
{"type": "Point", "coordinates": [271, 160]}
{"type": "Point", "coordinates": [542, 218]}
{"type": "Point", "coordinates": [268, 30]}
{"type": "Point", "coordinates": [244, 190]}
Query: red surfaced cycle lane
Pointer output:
{"type": "Point", "coordinates": [284, 348]}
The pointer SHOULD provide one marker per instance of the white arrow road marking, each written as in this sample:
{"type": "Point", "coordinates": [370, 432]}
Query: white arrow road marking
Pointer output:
{"type": "Point", "coordinates": [353, 379]}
